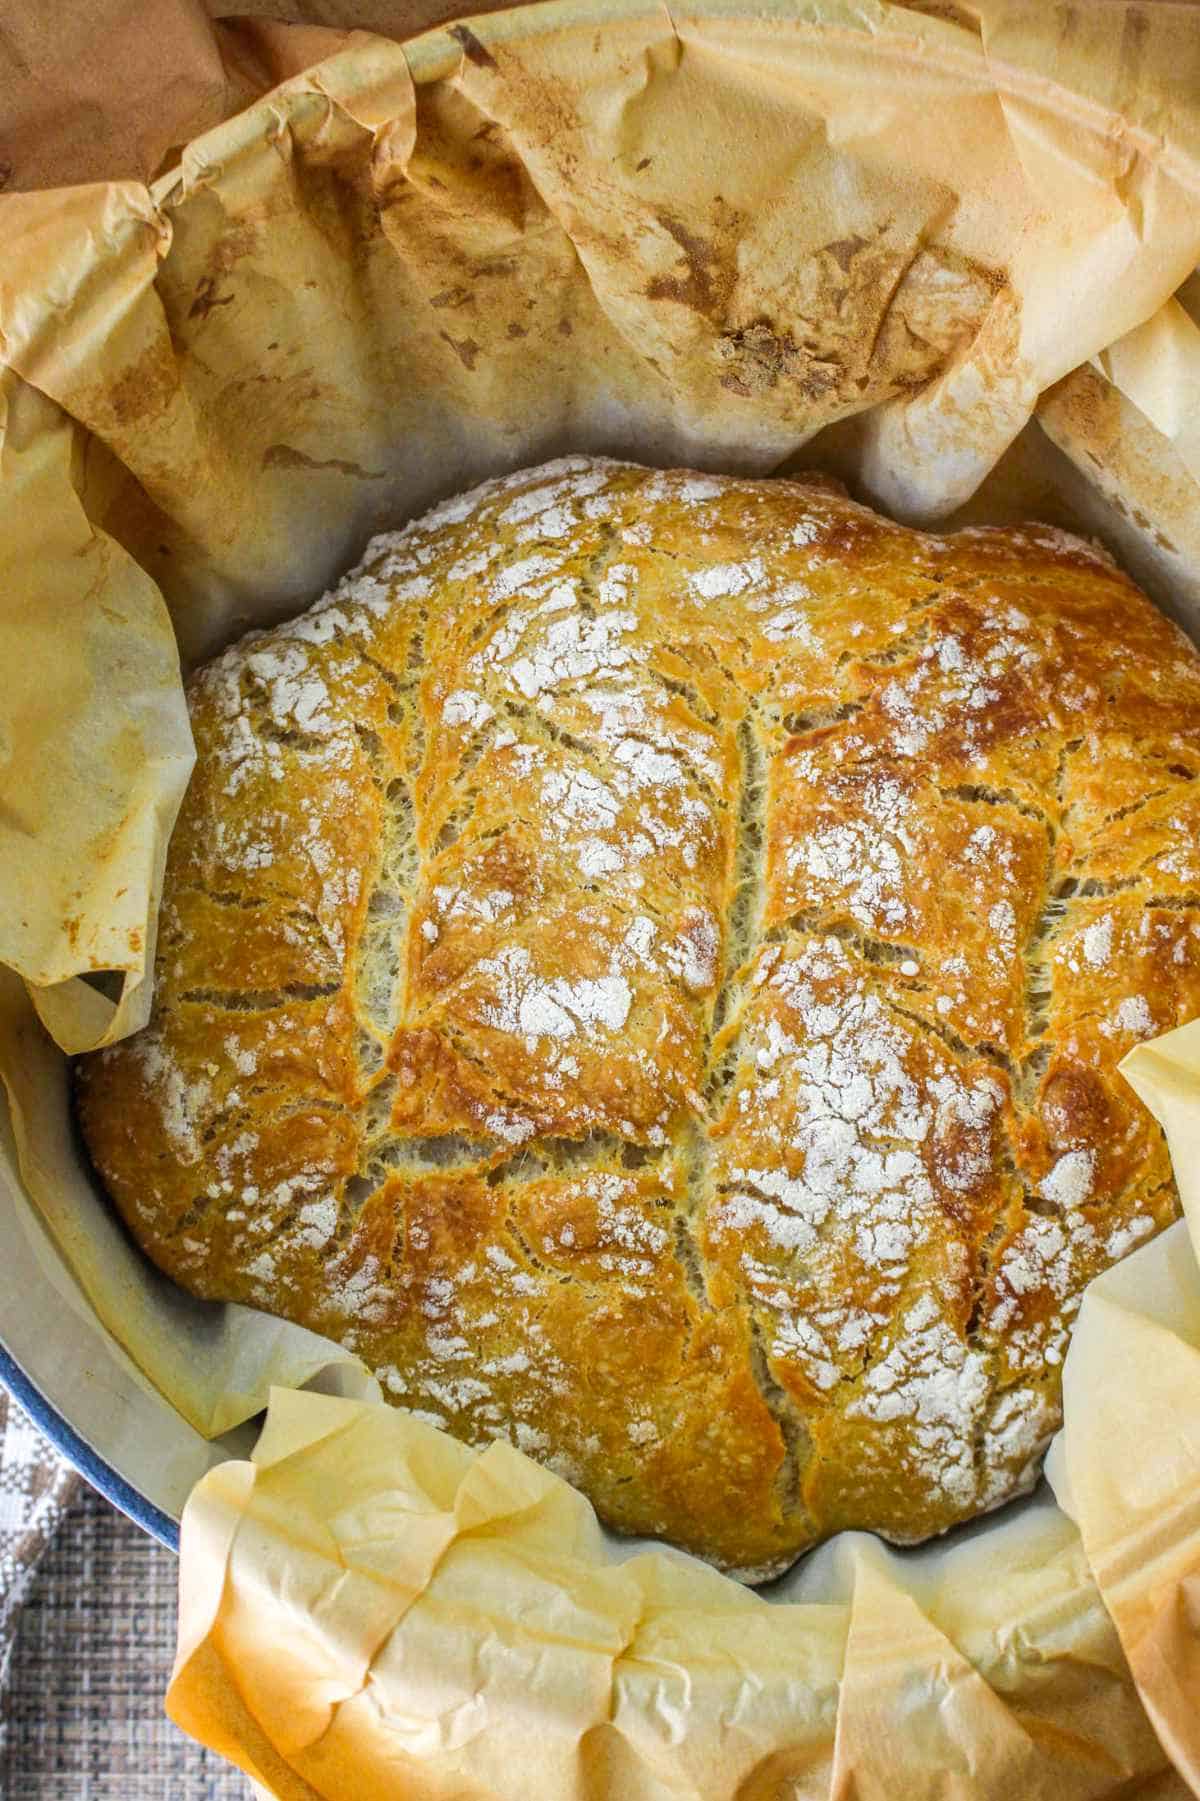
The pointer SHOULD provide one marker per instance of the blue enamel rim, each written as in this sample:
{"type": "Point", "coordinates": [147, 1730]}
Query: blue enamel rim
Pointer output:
{"type": "Point", "coordinates": [90, 1465]}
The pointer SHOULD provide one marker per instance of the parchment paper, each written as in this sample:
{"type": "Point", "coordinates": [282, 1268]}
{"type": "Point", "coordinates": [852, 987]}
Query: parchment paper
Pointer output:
{"type": "Point", "coordinates": [886, 238]}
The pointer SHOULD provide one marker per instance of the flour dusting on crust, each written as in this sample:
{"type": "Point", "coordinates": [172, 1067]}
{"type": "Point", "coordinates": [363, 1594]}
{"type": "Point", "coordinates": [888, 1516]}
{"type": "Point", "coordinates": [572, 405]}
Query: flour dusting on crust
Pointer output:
{"type": "Point", "coordinates": [644, 962]}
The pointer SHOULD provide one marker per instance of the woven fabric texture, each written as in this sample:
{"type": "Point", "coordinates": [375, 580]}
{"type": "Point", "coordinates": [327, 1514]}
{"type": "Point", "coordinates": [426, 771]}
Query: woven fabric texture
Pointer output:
{"type": "Point", "coordinates": [87, 1628]}
{"type": "Point", "coordinates": [36, 1486]}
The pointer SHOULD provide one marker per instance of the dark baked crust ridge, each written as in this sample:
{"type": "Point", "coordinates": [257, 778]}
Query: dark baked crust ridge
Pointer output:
{"type": "Point", "coordinates": [583, 1260]}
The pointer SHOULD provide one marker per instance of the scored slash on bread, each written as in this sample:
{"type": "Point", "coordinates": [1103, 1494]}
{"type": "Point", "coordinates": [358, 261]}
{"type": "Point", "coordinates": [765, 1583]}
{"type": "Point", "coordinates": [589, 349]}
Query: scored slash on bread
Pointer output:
{"type": "Point", "coordinates": [644, 961]}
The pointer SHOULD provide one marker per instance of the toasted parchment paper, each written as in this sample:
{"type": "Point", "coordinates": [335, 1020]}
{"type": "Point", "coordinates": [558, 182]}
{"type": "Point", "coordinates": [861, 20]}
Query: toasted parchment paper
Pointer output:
{"type": "Point", "coordinates": [700, 237]}
{"type": "Point", "coordinates": [944, 249]}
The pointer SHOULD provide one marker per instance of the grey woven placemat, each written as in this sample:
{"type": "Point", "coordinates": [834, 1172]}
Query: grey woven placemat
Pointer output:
{"type": "Point", "coordinates": [36, 1488]}
{"type": "Point", "coordinates": [91, 1657]}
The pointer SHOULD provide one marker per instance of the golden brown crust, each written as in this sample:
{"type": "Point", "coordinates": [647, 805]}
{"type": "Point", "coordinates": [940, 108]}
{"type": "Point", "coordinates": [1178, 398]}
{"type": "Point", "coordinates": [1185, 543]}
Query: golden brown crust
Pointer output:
{"type": "Point", "coordinates": [645, 963]}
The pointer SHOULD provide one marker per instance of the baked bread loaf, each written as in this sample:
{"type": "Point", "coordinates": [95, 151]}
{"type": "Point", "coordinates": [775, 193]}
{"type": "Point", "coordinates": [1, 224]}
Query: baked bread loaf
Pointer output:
{"type": "Point", "coordinates": [644, 963]}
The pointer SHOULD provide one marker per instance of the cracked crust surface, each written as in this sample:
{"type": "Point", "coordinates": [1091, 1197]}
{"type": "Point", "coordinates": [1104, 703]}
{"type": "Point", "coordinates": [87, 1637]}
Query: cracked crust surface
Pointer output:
{"type": "Point", "coordinates": [644, 963]}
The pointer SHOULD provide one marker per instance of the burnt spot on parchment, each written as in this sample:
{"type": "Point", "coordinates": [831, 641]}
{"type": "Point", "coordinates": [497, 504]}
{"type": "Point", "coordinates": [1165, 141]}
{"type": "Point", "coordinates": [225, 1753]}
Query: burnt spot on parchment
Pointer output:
{"type": "Point", "coordinates": [213, 288]}
{"type": "Point", "coordinates": [465, 349]}
{"type": "Point", "coordinates": [947, 10]}
{"type": "Point", "coordinates": [286, 456]}
{"type": "Point", "coordinates": [493, 266]}
{"type": "Point", "coordinates": [757, 357]}
{"type": "Point", "coordinates": [472, 49]}
{"type": "Point", "coordinates": [844, 250]}
{"type": "Point", "coordinates": [709, 273]}
{"type": "Point", "coordinates": [1135, 34]}
{"type": "Point", "coordinates": [207, 298]}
